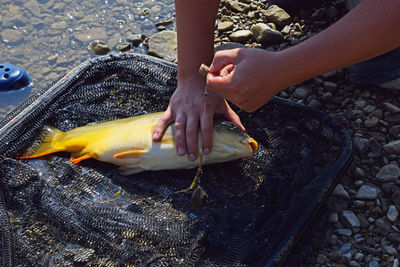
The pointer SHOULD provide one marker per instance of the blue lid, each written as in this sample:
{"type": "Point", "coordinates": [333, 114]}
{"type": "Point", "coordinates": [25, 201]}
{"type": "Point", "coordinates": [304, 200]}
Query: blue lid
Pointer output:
{"type": "Point", "coordinates": [13, 77]}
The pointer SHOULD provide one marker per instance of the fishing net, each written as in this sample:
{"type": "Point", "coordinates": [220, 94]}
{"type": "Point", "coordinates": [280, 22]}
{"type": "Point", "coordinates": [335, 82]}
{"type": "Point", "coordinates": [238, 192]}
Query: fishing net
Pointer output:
{"type": "Point", "coordinates": [54, 213]}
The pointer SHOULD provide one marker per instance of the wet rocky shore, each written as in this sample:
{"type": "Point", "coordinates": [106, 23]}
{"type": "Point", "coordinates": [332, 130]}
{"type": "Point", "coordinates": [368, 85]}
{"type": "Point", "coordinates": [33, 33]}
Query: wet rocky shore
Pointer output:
{"type": "Point", "coordinates": [363, 211]}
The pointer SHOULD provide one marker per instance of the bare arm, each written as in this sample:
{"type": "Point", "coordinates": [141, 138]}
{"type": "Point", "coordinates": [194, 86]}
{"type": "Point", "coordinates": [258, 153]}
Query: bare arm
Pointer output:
{"type": "Point", "coordinates": [195, 21]}
{"type": "Point", "coordinates": [370, 29]}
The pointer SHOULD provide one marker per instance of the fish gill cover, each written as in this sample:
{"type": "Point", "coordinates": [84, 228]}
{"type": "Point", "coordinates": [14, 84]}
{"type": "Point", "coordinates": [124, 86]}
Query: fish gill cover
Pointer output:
{"type": "Point", "coordinates": [53, 212]}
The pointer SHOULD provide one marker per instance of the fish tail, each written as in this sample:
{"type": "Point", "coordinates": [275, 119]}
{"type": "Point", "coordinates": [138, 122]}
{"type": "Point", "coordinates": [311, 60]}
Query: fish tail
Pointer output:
{"type": "Point", "coordinates": [46, 141]}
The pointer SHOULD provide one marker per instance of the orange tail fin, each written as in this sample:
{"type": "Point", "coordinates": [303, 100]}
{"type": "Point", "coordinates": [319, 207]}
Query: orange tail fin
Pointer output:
{"type": "Point", "coordinates": [46, 146]}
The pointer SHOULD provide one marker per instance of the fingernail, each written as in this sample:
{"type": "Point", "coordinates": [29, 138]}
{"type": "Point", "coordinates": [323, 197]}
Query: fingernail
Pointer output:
{"type": "Point", "coordinates": [206, 151]}
{"type": "Point", "coordinates": [192, 157]}
{"type": "Point", "coordinates": [181, 151]}
{"type": "Point", "coordinates": [155, 135]}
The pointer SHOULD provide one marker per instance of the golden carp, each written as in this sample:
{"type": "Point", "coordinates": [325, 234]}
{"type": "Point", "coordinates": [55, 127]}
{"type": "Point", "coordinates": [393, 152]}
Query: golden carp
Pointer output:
{"type": "Point", "coordinates": [128, 144]}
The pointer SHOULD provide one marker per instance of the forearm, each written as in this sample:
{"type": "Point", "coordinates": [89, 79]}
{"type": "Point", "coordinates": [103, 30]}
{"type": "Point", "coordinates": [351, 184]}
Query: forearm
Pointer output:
{"type": "Point", "coordinates": [195, 20]}
{"type": "Point", "coordinates": [370, 29]}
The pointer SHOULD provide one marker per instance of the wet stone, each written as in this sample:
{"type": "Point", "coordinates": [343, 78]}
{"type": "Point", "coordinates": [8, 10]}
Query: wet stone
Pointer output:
{"type": "Point", "coordinates": [135, 39]}
{"type": "Point", "coordinates": [164, 45]}
{"type": "Point", "coordinates": [11, 35]}
{"type": "Point", "coordinates": [99, 47]}
{"type": "Point", "coordinates": [345, 248]}
{"type": "Point", "coordinates": [391, 107]}
{"type": "Point", "coordinates": [124, 47]}
{"type": "Point", "coordinates": [373, 264]}
{"type": "Point", "coordinates": [345, 232]}
{"type": "Point", "coordinates": [90, 34]}
{"type": "Point", "coordinates": [340, 192]}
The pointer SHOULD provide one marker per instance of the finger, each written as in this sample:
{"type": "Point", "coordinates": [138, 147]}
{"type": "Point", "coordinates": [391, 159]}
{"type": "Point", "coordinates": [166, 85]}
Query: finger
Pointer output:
{"type": "Point", "coordinates": [162, 125]}
{"type": "Point", "coordinates": [221, 59]}
{"type": "Point", "coordinates": [231, 116]}
{"type": "Point", "coordinates": [180, 137]}
{"type": "Point", "coordinates": [192, 127]}
{"type": "Point", "coordinates": [207, 130]}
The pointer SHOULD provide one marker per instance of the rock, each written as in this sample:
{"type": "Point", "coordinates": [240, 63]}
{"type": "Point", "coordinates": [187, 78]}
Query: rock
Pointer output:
{"type": "Point", "coordinates": [345, 232]}
{"type": "Point", "coordinates": [34, 7]}
{"type": "Point", "coordinates": [314, 103]}
{"type": "Point", "coordinates": [11, 35]}
{"type": "Point", "coordinates": [392, 147]}
{"type": "Point", "coordinates": [225, 26]}
{"type": "Point", "coordinates": [99, 47]}
{"type": "Point", "coordinates": [383, 223]}
{"type": "Point", "coordinates": [241, 36]}
{"type": "Point", "coordinates": [345, 248]}
{"type": "Point", "coordinates": [135, 39]}
{"type": "Point", "coordinates": [390, 250]}
{"type": "Point", "coordinates": [321, 258]}
{"type": "Point", "coordinates": [350, 219]}
{"type": "Point", "coordinates": [90, 34]}
{"type": "Point", "coordinates": [163, 45]}
{"type": "Point", "coordinates": [360, 103]}
{"type": "Point", "coordinates": [59, 25]}
{"type": "Point", "coordinates": [263, 34]}
{"type": "Point", "coordinates": [238, 6]}
{"type": "Point", "coordinates": [388, 173]}
{"type": "Point", "coordinates": [277, 16]}
{"type": "Point", "coordinates": [371, 122]}
{"type": "Point", "coordinates": [369, 108]}
{"type": "Point", "coordinates": [395, 118]}
{"type": "Point", "coordinates": [361, 145]}
{"type": "Point", "coordinates": [124, 47]}
{"type": "Point", "coordinates": [373, 264]}
{"type": "Point", "coordinates": [391, 108]}
{"type": "Point", "coordinates": [367, 192]}
{"type": "Point", "coordinates": [302, 92]}
{"type": "Point", "coordinates": [330, 86]}
{"type": "Point", "coordinates": [340, 192]}
{"type": "Point", "coordinates": [392, 213]}
{"type": "Point", "coordinates": [334, 218]}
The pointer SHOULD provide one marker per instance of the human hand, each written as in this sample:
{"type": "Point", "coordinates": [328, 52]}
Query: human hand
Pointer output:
{"type": "Point", "coordinates": [186, 108]}
{"type": "Point", "coordinates": [249, 78]}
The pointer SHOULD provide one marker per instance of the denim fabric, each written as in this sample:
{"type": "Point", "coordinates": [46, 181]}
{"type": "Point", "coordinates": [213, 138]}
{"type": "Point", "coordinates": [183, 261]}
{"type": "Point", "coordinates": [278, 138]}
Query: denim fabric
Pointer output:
{"type": "Point", "coordinates": [377, 70]}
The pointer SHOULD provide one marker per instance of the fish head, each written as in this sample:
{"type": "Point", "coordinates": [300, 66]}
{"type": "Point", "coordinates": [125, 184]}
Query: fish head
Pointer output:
{"type": "Point", "coordinates": [230, 143]}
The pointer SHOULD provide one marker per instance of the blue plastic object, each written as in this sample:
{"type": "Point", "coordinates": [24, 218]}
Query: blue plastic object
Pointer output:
{"type": "Point", "coordinates": [15, 84]}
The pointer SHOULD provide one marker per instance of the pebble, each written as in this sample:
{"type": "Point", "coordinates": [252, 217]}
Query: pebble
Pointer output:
{"type": "Point", "coordinates": [388, 173]}
{"type": "Point", "coordinates": [391, 107]}
{"type": "Point", "coordinates": [225, 26]}
{"type": "Point", "coordinates": [373, 264]}
{"type": "Point", "coordinates": [124, 47]}
{"type": "Point", "coordinates": [361, 145]}
{"type": "Point", "coordinates": [263, 34]}
{"type": "Point", "coordinates": [345, 232]}
{"type": "Point", "coordinates": [135, 39]}
{"type": "Point", "coordinates": [99, 47]}
{"type": "Point", "coordinates": [392, 213]}
{"type": "Point", "coordinates": [90, 35]}
{"type": "Point", "coordinates": [241, 36]}
{"type": "Point", "coordinates": [11, 35]}
{"type": "Point", "coordinates": [392, 147]}
{"type": "Point", "coordinates": [277, 15]}
{"type": "Point", "coordinates": [302, 92]}
{"type": "Point", "coordinates": [367, 192]}
{"type": "Point", "coordinates": [345, 248]}
{"type": "Point", "coordinates": [340, 192]}
{"type": "Point", "coordinates": [164, 45]}
{"type": "Point", "coordinates": [350, 219]}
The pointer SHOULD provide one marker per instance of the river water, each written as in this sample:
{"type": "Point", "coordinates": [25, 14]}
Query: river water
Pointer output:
{"type": "Point", "coordinates": [49, 37]}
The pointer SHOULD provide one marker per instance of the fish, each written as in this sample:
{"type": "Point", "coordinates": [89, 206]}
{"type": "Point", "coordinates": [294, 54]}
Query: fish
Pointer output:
{"type": "Point", "coordinates": [128, 144]}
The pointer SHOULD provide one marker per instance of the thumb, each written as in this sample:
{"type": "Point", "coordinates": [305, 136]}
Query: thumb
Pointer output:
{"type": "Point", "coordinates": [231, 116]}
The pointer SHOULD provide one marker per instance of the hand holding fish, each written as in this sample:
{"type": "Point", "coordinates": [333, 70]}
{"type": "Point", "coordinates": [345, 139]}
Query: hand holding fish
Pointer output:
{"type": "Point", "coordinates": [248, 78]}
{"type": "Point", "coordinates": [186, 110]}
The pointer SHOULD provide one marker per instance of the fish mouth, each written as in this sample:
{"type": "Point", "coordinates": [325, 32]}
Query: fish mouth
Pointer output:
{"type": "Point", "coordinates": [254, 145]}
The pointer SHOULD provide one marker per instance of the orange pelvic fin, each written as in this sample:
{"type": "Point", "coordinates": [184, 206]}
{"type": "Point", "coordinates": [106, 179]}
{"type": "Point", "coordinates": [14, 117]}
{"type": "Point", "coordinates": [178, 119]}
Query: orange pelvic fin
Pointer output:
{"type": "Point", "coordinates": [130, 154]}
{"type": "Point", "coordinates": [76, 160]}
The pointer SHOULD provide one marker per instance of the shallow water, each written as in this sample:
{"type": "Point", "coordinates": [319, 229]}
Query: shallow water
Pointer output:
{"type": "Point", "coordinates": [48, 37]}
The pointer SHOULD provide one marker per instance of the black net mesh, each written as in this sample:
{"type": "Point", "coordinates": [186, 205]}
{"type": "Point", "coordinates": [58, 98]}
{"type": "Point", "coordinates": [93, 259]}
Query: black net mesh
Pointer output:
{"type": "Point", "coordinates": [53, 212]}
